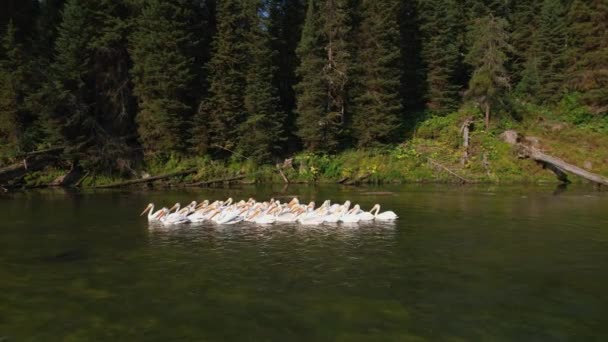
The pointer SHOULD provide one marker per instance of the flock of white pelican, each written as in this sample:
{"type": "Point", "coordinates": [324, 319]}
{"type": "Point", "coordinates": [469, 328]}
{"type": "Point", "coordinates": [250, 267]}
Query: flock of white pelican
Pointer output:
{"type": "Point", "coordinates": [227, 212]}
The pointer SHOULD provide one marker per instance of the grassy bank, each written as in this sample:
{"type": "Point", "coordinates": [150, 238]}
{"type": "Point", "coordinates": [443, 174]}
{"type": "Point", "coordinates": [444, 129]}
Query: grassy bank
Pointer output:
{"type": "Point", "coordinates": [567, 132]}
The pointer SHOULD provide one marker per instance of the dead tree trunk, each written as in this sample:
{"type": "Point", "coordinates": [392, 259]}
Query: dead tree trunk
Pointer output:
{"type": "Point", "coordinates": [465, 129]}
{"type": "Point", "coordinates": [146, 180]}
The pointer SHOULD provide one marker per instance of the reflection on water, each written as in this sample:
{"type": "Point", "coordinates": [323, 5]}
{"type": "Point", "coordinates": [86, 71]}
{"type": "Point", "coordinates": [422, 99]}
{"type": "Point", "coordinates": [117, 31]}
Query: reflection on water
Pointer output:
{"type": "Point", "coordinates": [462, 263]}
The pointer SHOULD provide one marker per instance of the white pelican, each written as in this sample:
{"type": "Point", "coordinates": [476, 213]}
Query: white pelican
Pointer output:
{"type": "Point", "coordinates": [385, 216]}
{"type": "Point", "coordinates": [154, 217]}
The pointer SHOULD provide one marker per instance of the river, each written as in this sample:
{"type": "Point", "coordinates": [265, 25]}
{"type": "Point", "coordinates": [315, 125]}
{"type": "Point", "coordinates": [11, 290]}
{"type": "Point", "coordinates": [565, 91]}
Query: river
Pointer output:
{"type": "Point", "coordinates": [461, 263]}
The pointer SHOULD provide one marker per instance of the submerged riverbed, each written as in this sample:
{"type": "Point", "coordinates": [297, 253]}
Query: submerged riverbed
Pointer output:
{"type": "Point", "coordinates": [470, 263]}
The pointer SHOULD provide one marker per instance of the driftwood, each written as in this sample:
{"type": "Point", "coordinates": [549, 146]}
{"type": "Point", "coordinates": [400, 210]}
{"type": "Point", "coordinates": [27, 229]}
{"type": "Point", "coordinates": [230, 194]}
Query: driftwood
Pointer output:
{"type": "Point", "coordinates": [147, 180]}
{"type": "Point", "coordinates": [556, 165]}
{"type": "Point", "coordinates": [219, 180]}
{"type": "Point", "coordinates": [358, 179]}
{"type": "Point", "coordinates": [462, 179]}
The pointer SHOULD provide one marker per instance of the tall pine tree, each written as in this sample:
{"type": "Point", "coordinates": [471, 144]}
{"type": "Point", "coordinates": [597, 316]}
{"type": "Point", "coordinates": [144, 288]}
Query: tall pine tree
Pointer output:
{"type": "Point", "coordinates": [262, 132]}
{"type": "Point", "coordinates": [13, 89]}
{"type": "Point", "coordinates": [325, 64]}
{"type": "Point", "coordinates": [488, 57]}
{"type": "Point", "coordinates": [378, 104]}
{"type": "Point", "coordinates": [285, 28]}
{"type": "Point", "coordinates": [224, 111]}
{"type": "Point", "coordinates": [162, 73]}
{"type": "Point", "coordinates": [588, 52]}
{"type": "Point", "coordinates": [442, 43]}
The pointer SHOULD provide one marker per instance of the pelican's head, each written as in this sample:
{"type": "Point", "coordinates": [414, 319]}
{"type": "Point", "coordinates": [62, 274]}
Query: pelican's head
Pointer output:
{"type": "Point", "coordinates": [293, 202]}
{"type": "Point", "coordinates": [202, 205]}
{"type": "Point", "coordinates": [376, 207]}
{"type": "Point", "coordinates": [149, 207]}
{"type": "Point", "coordinates": [175, 206]}
{"type": "Point", "coordinates": [228, 201]}
{"type": "Point", "coordinates": [192, 204]}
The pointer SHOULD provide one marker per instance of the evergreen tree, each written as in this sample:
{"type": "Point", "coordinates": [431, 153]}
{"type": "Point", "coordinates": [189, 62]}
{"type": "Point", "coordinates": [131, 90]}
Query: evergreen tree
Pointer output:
{"type": "Point", "coordinates": [552, 43]}
{"type": "Point", "coordinates": [378, 103]}
{"type": "Point", "coordinates": [325, 63]}
{"type": "Point", "coordinates": [72, 78]}
{"type": "Point", "coordinates": [224, 111]}
{"type": "Point", "coordinates": [13, 89]}
{"type": "Point", "coordinates": [162, 73]}
{"type": "Point", "coordinates": [588, 52]}
{"type": "Point", "coordinates": [285, 27]}
{"type": "Point", "coordinates": [524, 23]}
{"type": "Point", "coordinates": [441, 50]}
{"type": "Point", "coordinates": [262, 132]}
{"type": "Point", "coordinates": [311, 90]}
{"type": "Point", "coordinates": [542, 77]}
{"type": "Point", "coordinates": [412, 73]}
{"type": "Point", "coordinates": [488, 57]}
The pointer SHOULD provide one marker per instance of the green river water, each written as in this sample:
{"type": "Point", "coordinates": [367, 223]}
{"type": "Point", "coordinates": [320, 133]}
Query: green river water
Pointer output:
{"type": "Point", "coordinates": [461, 264]}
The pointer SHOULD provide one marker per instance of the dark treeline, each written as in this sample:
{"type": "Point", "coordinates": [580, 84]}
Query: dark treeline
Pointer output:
{"type": "Point", "coordinates": [119, 81]}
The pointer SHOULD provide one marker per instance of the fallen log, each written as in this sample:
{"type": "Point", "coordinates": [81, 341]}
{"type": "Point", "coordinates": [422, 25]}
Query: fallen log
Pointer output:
{"type": "Point", "coordinates": [146, 180]}
{"type": "Point", "coordinates": [462, 179]}
{"type": "Point", "coordinates": [527, 149]}
{"type": "Point", "coordinates": [342, 180]}
{"type": "Point", "coordinates": [218, 180]}
{"type": "Point", "coordinates": [358, 179]}
{"type": "Point", "coordinates": [560, 167]}
{"type": "Point", "coordinates": [19, 170]}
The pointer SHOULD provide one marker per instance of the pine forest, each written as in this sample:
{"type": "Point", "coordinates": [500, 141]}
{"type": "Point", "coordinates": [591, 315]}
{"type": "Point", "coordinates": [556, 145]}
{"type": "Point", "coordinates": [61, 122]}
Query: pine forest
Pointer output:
{"type": "Point", "coordinates": [95, 92]}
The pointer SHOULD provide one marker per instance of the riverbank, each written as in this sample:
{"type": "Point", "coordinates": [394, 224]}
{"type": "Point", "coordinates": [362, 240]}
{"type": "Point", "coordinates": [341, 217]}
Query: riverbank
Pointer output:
{"type": "Point", "coordinates": [433, 152]}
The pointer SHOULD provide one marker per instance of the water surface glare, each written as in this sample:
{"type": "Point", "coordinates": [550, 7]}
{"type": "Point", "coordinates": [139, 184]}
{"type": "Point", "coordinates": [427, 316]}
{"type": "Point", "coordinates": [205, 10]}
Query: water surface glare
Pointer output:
{"type": "Point", "coordinates": [461, 263]}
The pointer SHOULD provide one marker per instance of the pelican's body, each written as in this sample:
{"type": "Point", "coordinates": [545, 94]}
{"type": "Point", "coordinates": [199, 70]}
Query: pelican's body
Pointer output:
{"type": "Point", "coordinates": [385, 216]}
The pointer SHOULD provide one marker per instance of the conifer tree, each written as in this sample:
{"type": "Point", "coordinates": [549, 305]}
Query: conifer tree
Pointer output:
{"type": "Point", "coordinates": [542, 77]}
{"type": "Point", "coordinates": [13, 89]}
{"type": "Point", "coordinates": [378, 104]}
{"type": "Point", "coordinates": [72, 77]}
{"type": "Point", "coordinates": [524, 23]}
{"type": "Point", "coordinates": [488, 57]}
{"type": "Point", "coordinates": [325, 62]}
{"type": "Point", "coordinates": [441, 50]}
{"type": "Point", "coordinates": [588, 52]}
{"type": "Point", "coordinates": [311, 91]}
{"type": "Point", "coordinates": [552, 45]}
{"type": "Point", "coordinates": [261, 133]}
{"type": "Point", "coordinates": [285, 28]}
{"type": "Point", "coordinates": [162, 73]}
{"type": "Point", "coordinates": [224, 111]}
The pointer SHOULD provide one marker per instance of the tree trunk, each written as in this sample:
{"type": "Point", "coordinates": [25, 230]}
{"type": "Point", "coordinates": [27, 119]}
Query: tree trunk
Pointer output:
{"type": "Point", "coordinates": [487, 120]}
